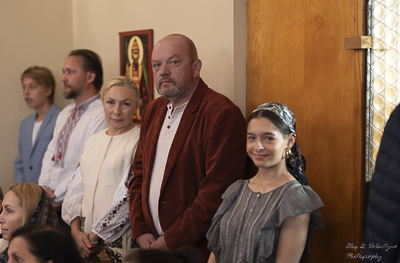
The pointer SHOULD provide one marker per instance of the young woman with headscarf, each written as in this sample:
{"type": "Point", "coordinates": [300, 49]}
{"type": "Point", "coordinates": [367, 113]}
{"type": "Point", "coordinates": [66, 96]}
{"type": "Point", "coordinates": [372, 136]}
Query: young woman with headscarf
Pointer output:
{"type": "Point", "coordinates": [269, 217]}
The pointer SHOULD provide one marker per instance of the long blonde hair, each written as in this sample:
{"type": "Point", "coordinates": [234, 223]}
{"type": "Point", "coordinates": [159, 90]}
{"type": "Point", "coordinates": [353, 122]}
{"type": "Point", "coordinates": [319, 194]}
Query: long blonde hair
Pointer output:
{"type": "Point", "coordinates": [29, 196]}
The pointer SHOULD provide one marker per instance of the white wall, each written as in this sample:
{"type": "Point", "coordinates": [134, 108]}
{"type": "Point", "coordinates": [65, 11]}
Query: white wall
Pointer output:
{"type": "Point", "coordinates": [51, 28]}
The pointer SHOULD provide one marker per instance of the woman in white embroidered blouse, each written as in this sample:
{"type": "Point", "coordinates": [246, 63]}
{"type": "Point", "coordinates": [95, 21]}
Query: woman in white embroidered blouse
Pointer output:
{"type": "Point", "coordinates": [96, 203]}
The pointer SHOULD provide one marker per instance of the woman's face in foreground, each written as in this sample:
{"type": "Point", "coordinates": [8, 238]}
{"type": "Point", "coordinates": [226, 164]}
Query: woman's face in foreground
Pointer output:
{"type": "Point", "coordinates": [119, 107]}
{"type": "Point", "coordinates": [12, 217]}
{"type": "Point", "coordinates": [265, 143]}
{"type": "Point", "coordinates": [18, 251]}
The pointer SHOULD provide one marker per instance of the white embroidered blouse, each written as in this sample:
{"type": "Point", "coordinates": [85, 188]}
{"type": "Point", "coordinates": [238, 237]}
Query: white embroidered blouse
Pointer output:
{"type": "Point", "coordinates": [98, 192]}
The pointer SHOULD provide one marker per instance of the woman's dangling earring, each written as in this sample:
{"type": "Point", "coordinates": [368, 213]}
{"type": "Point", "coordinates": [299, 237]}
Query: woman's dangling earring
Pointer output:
{"type": "Point", "coordinates": [288, 153]}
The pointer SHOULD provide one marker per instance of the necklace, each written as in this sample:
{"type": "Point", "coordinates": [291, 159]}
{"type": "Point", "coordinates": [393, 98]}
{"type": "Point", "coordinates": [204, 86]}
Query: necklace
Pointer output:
{"type": "Point", "coordinates": [263, 187]}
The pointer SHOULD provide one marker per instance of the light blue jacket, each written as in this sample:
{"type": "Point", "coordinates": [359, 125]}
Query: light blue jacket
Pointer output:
{"type": "Point", "coordinates": [29, 161]}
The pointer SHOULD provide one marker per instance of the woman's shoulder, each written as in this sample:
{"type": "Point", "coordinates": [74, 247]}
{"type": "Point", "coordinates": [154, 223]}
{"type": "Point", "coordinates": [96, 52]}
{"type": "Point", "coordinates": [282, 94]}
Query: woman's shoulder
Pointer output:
{"type": "Point", "coordinates": [132, 135]}
{"type": "Point", "coordinates": [130, 138]}
{"type": "Point", "coordinates": [234, 189]}
{"type": "Point", "coordinates": [237, 185]}
{"type": "Point", "coordinates": [301, 197]}
{"type": "Point", "coordinates": [296, 191]}
{"type": "Point", "coordinates": [230, 195]}
{"type": "Point", "coordinates": [295, 199]}
{"type": "Point", "coordinates": [135, 130]}
{"type": "Point", "coordinates": [99, 134]}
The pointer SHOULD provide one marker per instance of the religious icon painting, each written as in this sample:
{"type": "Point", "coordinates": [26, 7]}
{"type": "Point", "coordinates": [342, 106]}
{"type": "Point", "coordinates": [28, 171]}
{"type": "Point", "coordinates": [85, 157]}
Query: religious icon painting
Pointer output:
{"type": "Point", "coordinates": [135, 63]}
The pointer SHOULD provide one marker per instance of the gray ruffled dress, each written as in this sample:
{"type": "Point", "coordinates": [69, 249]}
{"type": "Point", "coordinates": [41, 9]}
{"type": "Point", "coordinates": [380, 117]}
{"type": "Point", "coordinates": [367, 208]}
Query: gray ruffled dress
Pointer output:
{"type": "Point", "coordinates": [247, 224]}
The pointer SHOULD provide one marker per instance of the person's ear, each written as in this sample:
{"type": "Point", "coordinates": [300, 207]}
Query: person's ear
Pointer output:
{"type": "Point", "coordinates": [197, 67]}
{"type": "Point", "coordinates": [90, 76]}
{"type": "Point", "coordinates": [48, 91]}
{"type": "Point", "coordinates": [291, 140]}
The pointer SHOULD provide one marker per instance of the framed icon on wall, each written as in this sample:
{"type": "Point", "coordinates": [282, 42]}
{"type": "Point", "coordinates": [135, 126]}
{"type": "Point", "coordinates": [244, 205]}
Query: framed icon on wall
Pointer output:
{"type": "Point", "coordinates": [135, 63]}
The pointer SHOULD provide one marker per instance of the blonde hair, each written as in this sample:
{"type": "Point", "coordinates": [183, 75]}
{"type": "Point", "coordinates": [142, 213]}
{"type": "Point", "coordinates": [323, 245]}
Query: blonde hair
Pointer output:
{"type": "Point", "coordinates": [122, 82]}
{"type": "Point", "coordinates": [29, 196]}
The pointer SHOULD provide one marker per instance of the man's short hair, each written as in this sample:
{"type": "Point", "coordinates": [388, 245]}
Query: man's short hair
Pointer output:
{"type": "Point", "coordinates": [90, 62]}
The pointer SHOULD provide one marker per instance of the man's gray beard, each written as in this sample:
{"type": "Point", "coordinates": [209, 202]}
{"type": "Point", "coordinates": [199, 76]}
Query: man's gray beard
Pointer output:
{"type": "Point", "coordinates": [176, 94]}
{"type": "Point", "coordinates": [179, 93]}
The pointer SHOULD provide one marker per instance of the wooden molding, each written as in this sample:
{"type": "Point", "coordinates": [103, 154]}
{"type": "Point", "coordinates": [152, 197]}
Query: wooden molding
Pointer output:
{"type": "Point", "coordinates": [361, 42]}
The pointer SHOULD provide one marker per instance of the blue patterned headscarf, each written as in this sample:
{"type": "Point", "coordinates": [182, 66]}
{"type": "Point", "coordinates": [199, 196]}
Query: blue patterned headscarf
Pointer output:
{"type": "Point", "coordinates": [44, 214]}
{"type": "Point", "coordinates": [296, 163]}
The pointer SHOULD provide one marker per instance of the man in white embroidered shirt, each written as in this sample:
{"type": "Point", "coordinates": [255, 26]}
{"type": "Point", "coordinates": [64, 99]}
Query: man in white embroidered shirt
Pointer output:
{"type": "Point", "coordinates": [82, 78]}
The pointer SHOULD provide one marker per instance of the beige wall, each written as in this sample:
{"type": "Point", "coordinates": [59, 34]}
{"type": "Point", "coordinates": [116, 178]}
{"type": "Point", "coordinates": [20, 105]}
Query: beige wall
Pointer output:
{"type": "Point", "coordinates": [220, 35]}
{"type": "Point", "coordinates": [44, 31]}
{"type": "Point", "coordinates": [31, 33]}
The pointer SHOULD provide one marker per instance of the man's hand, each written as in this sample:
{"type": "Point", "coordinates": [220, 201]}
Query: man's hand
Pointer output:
{"type": "Point", "coordinates": [57, 206]}
{"type": "Point", "coordinates": [50, 193]}
{"type": "Point", "coordinates": [144, 241]}
{"type": "Point", "coordinates": [160, 244]}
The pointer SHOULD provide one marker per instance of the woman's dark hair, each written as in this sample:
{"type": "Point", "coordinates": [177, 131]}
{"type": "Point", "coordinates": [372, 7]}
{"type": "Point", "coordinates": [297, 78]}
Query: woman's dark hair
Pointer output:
{"type": "Point", "coordinates": [49, 243]}
{"type": "Point", "coordinates": [278, 122]}
{"type": "Point", "coordinates": [90, 62]}
{"type": "Point", "coordinates": [184, 255]}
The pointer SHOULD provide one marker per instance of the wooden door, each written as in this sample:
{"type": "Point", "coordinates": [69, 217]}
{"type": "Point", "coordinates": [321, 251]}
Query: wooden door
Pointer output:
{"type": "Point", "coordinates": [296, 56]}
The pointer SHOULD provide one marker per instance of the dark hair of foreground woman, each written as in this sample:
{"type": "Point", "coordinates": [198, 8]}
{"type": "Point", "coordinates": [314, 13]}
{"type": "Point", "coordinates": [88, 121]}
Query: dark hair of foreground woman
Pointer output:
{"type": "Point", "coordinates": [48, 244]}
{"type": "Point", "coordinates": [184, 255]}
